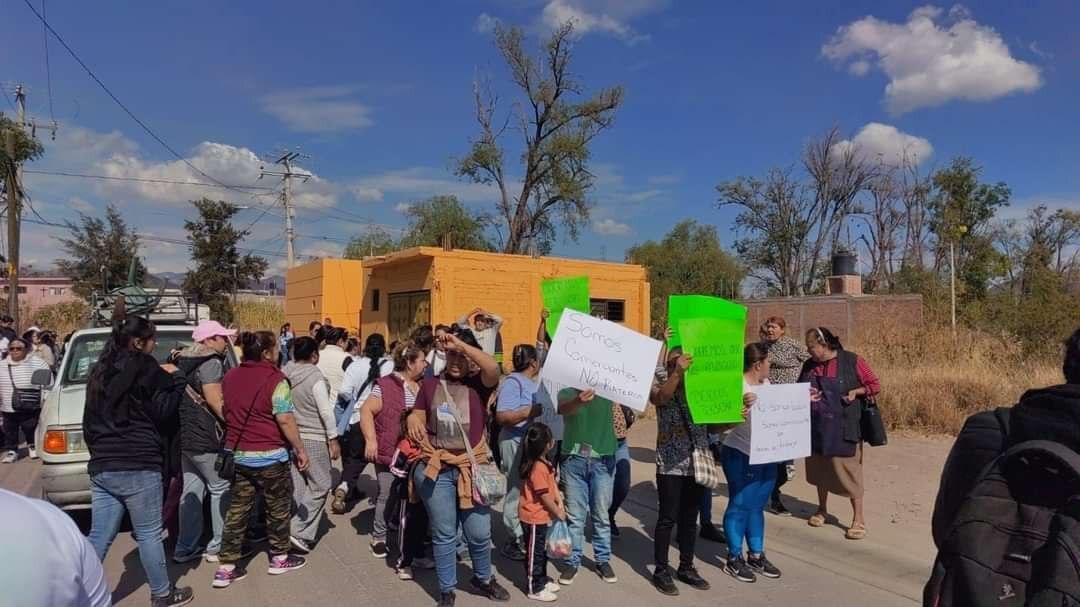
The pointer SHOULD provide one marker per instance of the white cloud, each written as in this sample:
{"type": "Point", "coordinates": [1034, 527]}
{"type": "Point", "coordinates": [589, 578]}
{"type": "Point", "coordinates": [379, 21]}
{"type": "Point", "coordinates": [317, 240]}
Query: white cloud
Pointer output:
{"type": "Point", "coordinates": [642, 196]}
{"type": "Point", "coordinates": [887, 143]}
{"type": "Point", "coordinates": [417, 183]}
{"type": "Point", "coordinates": [226, 163]}
{"type": "Point", "coordinates": [80, 205]}
{"type": "Point", "coordinates": [931, 59]}
{"type": "Point", "coordinates": [402, 207]}
{"type": "Point", "coordinates": [321, 109]}
{"type": "Point", "coordinates": [367, 194]}
{"type": "Point", "coordinates": [610, 227]}
{"type": "Point", "coordinates": [608, 16]}
{"type": "Point", "coordinates": [485, 23]}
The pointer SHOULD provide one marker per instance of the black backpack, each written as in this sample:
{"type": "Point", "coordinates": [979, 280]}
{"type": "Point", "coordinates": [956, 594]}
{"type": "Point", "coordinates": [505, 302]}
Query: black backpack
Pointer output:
{"type": "Point", "coordinates": [1016, 537]}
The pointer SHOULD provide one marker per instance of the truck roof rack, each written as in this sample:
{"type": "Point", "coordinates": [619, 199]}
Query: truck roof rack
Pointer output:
{"type": "Point", "coordinates": [166, 307]}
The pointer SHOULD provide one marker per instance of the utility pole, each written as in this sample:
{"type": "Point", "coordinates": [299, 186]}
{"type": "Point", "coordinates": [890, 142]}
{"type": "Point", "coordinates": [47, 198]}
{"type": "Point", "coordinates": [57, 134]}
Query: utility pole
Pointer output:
{"type": "Point", "coordinates": [286, 160]}
{"type": "Point", "coordinates": [13, 183]}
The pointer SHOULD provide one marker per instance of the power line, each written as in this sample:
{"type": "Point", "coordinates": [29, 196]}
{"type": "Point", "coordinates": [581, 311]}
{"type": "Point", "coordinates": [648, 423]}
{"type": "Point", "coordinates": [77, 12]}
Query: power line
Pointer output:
{"type": "Point", "coordinates": [149, 180]}
{"type": "Point", "coordinates": [48, 68]}
{"type": "Point", "coordinates": [116, 99]}
{"type": "Point", "coordinates": [162, 239]}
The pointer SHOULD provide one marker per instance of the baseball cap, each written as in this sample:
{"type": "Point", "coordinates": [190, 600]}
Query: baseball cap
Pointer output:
{"type": "Point", "coordinates": [211, 328]}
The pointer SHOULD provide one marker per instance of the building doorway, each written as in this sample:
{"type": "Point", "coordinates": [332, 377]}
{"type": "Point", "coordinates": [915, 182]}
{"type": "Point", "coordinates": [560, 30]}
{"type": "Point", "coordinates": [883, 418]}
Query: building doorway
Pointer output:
{"type": "Point", "coordinates": [408, 311]}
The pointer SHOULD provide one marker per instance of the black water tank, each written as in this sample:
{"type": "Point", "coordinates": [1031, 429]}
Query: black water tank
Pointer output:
{"type": "Point", "coordinates": [843, 263]}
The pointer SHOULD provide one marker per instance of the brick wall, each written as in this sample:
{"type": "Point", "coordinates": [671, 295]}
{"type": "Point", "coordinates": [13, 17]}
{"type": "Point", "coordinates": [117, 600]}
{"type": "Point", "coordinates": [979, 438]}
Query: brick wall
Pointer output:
{"type": "Point", "coordinates": [844, 315]}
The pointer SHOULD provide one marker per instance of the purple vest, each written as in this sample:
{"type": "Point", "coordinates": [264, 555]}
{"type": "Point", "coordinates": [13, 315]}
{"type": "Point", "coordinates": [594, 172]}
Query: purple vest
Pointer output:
{"type": "Point", "coordinates": [388, 420]}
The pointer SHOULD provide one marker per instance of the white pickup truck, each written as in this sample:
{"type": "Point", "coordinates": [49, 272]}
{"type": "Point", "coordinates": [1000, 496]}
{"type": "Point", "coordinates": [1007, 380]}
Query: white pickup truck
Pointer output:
{"type": "Point", "coordinates": [59, 438]}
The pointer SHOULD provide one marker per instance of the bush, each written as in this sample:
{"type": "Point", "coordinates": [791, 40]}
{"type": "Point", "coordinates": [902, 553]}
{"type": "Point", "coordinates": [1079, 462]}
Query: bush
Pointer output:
{"type": "Point", "coordinates": [62, 317]}
{"type": "Point", "coordinates": [932, 381]}
{"type": "Point", "coordinates": [259, 315]}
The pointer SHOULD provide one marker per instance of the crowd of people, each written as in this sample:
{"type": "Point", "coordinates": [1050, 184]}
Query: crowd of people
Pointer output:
{"type": "Point", "coordinates": [450, 435]}
{"type": "Point", "coordinates": [443, 425]}
{"type": "Point", "coordinates": [20, 400]}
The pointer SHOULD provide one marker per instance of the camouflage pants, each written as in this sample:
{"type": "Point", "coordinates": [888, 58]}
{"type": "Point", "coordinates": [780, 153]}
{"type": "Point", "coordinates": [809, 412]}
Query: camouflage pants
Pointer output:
{"type": "Point", "coordinates": [275, 484]}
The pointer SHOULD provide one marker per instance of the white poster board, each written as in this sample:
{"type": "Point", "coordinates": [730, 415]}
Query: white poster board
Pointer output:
{"type": "Point", "coordinates": [548, 399]}
{"type": "Point", "coordinates": [780, 423]}
{"type": "Point", "coordinates": [618, 363]}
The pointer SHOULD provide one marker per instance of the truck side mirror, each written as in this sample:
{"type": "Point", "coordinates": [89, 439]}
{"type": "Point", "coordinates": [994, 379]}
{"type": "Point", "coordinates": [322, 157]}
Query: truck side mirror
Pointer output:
{"type": "Point", "coordinates": [41, 378]}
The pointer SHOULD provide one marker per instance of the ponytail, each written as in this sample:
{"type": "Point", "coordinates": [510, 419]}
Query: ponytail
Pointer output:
{"type": "Point", "coordinates": [374, 351]}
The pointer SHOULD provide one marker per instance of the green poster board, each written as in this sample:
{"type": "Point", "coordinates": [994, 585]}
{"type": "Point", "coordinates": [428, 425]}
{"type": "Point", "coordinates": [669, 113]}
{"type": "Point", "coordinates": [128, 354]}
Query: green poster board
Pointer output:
{"type": "Point", "coordinates": [714, 382]}
{"type": "Point", "coordinates": [562, 293]}
{"type": "Point", "coordinates": [681, 307]}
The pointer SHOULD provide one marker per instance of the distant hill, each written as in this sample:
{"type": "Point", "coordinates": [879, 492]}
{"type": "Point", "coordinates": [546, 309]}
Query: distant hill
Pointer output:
{"type": "Point", "coordinates": [176, 280]}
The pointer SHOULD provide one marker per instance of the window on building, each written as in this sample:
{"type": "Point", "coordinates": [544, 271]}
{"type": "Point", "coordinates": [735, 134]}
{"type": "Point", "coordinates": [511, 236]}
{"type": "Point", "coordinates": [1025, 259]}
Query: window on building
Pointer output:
{"type": "Point", "coordinates": [375, 296]}
{"type": "Point", "coordinates": [609, 309]}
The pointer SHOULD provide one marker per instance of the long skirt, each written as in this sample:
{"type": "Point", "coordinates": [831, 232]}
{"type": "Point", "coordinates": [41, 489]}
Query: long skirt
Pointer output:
{"type": "Point", "coordinates": [841, 476]}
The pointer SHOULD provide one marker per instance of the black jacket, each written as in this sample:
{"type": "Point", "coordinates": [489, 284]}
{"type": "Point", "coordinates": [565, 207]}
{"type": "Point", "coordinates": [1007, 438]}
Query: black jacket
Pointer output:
{"type": "Point", "coordinates": [1051, 414]}
{"type": "Point", "coordinates": [127, 424]}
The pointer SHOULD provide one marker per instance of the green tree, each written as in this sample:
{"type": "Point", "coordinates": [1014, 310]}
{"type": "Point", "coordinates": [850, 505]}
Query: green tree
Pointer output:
{"type": "Point", "coordinates": [556, 129]}
{"type": "Point", "coordinates": [219, 266]}
{"type": "Point", "coordinates": [99, 253]}
{"type": "Point", "coordinates": [442, 217]}
{"type": "Point", "coordinates": [689, 259]}
{"type": "Point", "coordinates": [27, 148]}
{"type": "Point", "coordinates": [961, 213]}
{"type": "Point", "coordinates": [373, 242]}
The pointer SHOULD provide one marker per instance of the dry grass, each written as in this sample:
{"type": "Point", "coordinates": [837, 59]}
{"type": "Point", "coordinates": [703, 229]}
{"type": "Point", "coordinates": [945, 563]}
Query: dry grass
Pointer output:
{"type": "Point", "coordinates": [931, 381]}
{"type": "Point", "coordinates": [255, 315]}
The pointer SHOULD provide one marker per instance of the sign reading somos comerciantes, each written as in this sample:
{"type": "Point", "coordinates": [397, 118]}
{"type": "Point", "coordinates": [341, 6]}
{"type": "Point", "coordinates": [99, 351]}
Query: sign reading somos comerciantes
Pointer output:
{"type": "Point", "coordinates": [618, 363]}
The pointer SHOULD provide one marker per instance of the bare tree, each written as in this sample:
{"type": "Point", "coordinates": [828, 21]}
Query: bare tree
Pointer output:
{"type": "Point", "coordinates": [556, 133]}
{"type": "Point", "coordinates": [788, 224]}
{"type": "Point", "coordinates": [837, 174]}
{"type": "Point", "coordinates": [884, 221]}
{"type": "Point", "coordinates": [915, 194]}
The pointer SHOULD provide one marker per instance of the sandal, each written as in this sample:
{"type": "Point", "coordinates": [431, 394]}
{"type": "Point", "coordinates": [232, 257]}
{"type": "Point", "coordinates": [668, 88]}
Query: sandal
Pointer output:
{"type": "Point", "coordinates": [817, 520]}
{"type": "Point", "coordinates": [856, 532]}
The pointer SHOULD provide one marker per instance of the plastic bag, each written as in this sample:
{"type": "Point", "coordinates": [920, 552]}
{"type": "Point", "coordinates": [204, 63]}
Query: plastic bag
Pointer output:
{"type": "Point", "coordinates": [559, 545]}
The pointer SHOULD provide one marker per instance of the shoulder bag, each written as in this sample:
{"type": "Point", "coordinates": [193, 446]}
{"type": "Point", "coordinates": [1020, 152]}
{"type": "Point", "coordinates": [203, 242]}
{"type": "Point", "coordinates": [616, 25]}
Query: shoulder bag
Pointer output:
{"type": "Point", "coordinates": [707, 471]}
{"type": "Point", "coordinates": [871, 424]}
{"type": "Point", "coordinates": [489, 485]}
{"type": "Point", "coordinates": [225, 463]}
{"type": "Point", "coordinates": [23, 399]}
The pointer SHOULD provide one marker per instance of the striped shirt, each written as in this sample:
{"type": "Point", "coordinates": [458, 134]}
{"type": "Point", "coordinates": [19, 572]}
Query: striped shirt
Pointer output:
{"type": "Point", "coordinates": [410, 397]}
{"type": "Point", "coordinates": [21, 372]}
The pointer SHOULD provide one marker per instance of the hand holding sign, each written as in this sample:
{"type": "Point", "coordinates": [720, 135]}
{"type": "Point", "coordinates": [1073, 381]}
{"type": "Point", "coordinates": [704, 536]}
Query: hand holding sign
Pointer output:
{"type": "Point", "coordinates": [780, 423]}
{"type": "Point", "coordinates": [597, 355]}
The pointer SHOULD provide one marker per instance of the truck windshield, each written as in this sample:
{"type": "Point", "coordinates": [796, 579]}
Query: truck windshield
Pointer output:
{"type": "Point", "coordinates": [86, 349]}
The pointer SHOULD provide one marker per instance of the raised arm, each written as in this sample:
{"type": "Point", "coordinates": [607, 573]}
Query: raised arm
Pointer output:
{"type": "Point", "coordinates": [570, 403]}
{"type": "Point", "coordinates": [489, 369]}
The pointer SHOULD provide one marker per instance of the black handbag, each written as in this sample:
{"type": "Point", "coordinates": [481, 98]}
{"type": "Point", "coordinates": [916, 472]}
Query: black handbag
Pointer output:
{"type": "Point", "coordinates": [872, 426]}
{"type": "Point", "coordinates": [24, 399]}
{"type": "Point", "coordinates": [225, 463]}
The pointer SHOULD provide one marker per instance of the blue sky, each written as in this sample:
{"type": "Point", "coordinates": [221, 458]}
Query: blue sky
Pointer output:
{"type": "Point", "coordinates": [379, 96]}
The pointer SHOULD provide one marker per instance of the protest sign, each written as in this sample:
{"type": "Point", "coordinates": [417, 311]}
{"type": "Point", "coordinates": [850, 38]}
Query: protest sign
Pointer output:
{"type": "Point", "coordinates": [780, 423]}
{"type": "Point", "coordinates": [562, 293]}
{"type": "Point", "coordinates": [618, 363]}
{"type": "Point", "coordinates": [682, 307]}
{"type": "Point", "coordinates": [715, 379]}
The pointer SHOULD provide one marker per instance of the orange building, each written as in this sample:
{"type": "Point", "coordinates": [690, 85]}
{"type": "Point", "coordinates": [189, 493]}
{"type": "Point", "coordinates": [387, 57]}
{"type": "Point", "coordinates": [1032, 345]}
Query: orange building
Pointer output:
{"type": "Point", "coordinates": [326, 288]}
{"type": "Point", "coordinates": [429, 285]}
{"type": "Point", "coordinates": [392, 294]}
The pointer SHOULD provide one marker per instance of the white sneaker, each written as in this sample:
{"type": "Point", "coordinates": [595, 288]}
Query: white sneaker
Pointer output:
{"type": "Point", "coordinates": [33, 453]}
{"type": "Point", "coordinates": [544, 596]}
{"type": "Point", "coordinates": [552, 587]}
{"type": "Point", "coordinates": [404, 573]}
{"type": "Point", "coordinates": [212, 558]}
{"type": "Point", "coordinates": [9, 458]}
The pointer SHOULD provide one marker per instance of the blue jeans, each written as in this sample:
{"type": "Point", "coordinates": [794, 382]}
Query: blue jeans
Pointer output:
{"type": "Point", "coordinates": [621, 487]}
{"type": "Point", "coordinates": [441, 500]}
{"type": "Point", "coordinates": [140, 493]}
{"type": "Point", "coordinates": [200, 478]}
{"type": "Point", "coordinates": [749, 488]}
{"type": "Point", "coordinates": [588, 485]}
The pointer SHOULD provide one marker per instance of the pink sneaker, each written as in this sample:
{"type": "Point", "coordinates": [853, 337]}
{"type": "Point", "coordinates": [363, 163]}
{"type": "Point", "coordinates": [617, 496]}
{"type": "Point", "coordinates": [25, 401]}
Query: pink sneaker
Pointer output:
{"type": "Point", "coordinates": [285, 563]}
{"type": "Point", "coordinates": [224, 577]}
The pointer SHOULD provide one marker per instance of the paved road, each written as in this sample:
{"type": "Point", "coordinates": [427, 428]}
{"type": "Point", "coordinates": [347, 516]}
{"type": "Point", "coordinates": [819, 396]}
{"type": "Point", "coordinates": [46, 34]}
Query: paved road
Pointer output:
{"type": "Point", "coordinates": [820, 567]}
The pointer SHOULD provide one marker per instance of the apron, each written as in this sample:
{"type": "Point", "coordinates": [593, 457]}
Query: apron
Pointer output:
{"type": "Point", "coordinates": [827, 420]}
